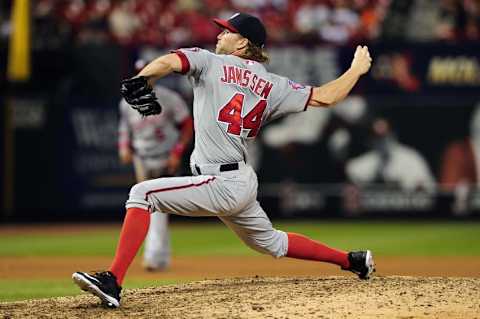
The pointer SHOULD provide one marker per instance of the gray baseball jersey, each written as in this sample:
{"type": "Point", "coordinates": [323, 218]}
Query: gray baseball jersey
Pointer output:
{"type": "Point", "coordinates": [153, 137]}
{"type": "Point", "coordinates": [233, 97]}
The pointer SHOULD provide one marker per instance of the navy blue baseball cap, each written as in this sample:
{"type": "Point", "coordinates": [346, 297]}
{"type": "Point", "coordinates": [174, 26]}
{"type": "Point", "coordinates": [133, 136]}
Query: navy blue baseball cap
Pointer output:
{"type": "Point", "coordinates": [248, 26]}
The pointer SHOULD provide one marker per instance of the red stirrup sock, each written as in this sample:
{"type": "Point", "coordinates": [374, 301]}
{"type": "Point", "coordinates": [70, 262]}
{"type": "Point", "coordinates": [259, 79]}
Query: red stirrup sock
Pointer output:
{"type": "Point", "coordinates": [134, 230]}
{"type": "Point", "coordinates": [302, 247]}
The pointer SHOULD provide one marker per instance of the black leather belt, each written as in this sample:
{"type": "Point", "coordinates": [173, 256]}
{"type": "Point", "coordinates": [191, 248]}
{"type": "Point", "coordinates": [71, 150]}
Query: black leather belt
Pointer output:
{"type": "Point", "coordinates": [223, 168]}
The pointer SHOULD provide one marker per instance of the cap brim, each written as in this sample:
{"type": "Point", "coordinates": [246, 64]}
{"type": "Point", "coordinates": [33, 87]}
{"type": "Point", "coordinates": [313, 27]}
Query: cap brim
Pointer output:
{"type": "Point", "coordinates": [224, 24]}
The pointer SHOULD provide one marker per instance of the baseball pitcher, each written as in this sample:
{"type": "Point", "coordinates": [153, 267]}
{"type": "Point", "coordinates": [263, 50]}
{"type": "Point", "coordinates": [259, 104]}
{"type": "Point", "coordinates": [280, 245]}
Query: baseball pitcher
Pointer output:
{"type": "Point", "coordinates": [233, 96]}
{"type": "Point", "coordinates": [155, 145]}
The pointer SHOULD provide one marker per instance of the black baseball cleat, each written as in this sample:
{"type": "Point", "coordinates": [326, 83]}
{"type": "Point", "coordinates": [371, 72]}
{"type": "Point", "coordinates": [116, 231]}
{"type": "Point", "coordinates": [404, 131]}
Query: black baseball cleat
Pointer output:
{"type": "Point", "coordinates": [101, 284]}
{"type": "Point", "coordinates": [361, 263]}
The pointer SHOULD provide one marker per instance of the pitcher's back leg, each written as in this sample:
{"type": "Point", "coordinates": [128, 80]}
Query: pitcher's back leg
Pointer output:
{"type": "Point", "coordinates": [256, 230]}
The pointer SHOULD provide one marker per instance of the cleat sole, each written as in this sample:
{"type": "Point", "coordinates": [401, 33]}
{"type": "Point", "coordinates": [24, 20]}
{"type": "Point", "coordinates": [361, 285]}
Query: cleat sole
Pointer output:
{"type": "Point", "coordinates": [87, 286]}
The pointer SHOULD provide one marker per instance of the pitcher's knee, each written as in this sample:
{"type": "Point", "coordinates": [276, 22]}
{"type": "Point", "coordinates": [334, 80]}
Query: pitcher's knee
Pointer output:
{"type": "Point", "coordinates": [138, 196]}
{"type": "Point", "coordinates": [274, 243]}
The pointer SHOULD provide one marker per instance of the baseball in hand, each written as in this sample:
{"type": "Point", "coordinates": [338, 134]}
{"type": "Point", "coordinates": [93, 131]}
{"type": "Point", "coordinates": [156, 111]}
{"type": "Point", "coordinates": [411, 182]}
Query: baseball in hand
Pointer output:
{"type": "Point", "coordinates": [361, 60]}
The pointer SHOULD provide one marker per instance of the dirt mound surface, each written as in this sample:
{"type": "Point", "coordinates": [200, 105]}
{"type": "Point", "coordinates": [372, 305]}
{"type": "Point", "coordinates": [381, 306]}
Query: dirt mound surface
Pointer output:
{"type": "Point", "coordinates": [326, 297]}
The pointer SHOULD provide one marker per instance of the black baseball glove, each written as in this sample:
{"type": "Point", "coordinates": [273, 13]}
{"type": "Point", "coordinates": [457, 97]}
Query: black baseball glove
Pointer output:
{"type": "Point", "coordinates": [140, 95]}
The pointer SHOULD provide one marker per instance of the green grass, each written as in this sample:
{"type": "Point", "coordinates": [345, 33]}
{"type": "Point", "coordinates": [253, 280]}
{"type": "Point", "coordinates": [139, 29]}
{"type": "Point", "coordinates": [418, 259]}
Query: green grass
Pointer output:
{"type": "Point", "coordinates": [392, 238]}
{"type": "Point", "coordinates": [204, 239]}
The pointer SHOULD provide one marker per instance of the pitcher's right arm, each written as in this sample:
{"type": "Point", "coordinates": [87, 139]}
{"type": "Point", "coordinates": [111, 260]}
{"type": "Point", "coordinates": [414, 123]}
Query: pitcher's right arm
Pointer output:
{"type": "Point", "coordinates": [333, 92]}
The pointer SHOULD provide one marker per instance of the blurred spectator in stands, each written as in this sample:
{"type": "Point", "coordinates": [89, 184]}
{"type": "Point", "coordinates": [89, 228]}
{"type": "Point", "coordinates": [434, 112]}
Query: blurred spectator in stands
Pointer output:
{"type": "Point", "coordinates": [342, 24]}
{"type": "Point", "coordinates": [280, 5]}
{"type": "Point", "coordinates": [396, 21]}
{"type": "Point", "coordinates": [472, 27]}
{"type": "Point", "coordinates": [390, 163]}
{"type": "Point", "coordinates": [372, 13]}
{"type": "Point", "coordinates": [448, 20]}
{"type": "Point", "coordinates": [202, 30]}
{"type": "Point", "coordinates": [149, 32]}
{"type": "Point", "coordinates": [123, 21]}
{"type": "Point", "coordinates": [423, 20]}
{"type": "Point", "coordinates": [188, 5]}
{"type": "Point", "coordinates": [176, 32]}
{"type": "Point", "coordinates": [340, 21]}
{"type": "Point", "coordinates": [451, 21]}
{"type": "Point", "coordinates": [310, 17]}
{"type": "Point", "coordinates": [75, 12]}
{"type": "Point", "coordinates": [277, 25]}
{"type": "Point", "coordinates": [220, 8]}
{"type": "Point", "coordinates": [252, 6]}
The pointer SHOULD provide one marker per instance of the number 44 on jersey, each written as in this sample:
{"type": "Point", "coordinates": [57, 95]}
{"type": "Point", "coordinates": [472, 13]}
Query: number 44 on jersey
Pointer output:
{"type": "Point", "coordinates": [231, 113]}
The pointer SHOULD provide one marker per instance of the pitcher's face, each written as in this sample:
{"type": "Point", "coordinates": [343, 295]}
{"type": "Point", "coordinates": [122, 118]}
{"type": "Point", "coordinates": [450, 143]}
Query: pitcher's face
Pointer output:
{"type": "Point", "coordinates": [228, 42]}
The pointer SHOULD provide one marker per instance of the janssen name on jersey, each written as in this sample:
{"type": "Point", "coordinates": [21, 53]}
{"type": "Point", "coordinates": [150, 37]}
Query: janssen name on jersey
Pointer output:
{"type": "Point", "coordinates": [247, 79]}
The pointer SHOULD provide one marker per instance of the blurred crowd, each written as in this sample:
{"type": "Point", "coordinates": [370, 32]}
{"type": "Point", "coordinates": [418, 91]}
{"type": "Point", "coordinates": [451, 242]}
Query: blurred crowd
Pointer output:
{"type": "Point", "coordinates": [174, 23]}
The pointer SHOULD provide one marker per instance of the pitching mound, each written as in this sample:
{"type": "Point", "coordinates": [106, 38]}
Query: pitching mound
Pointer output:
{"type": "Point", "coordinates": [328, 297]}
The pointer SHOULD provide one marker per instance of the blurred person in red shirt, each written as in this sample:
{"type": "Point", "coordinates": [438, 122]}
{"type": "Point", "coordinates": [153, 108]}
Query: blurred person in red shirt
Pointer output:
{"type": "Point", "coordinates": [460, 164]}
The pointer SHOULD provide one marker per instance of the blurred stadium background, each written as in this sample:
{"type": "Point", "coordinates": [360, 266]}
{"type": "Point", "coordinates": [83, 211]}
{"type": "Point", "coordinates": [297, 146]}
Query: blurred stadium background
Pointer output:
{"type": "Point", "coordinates": [405, 145]}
